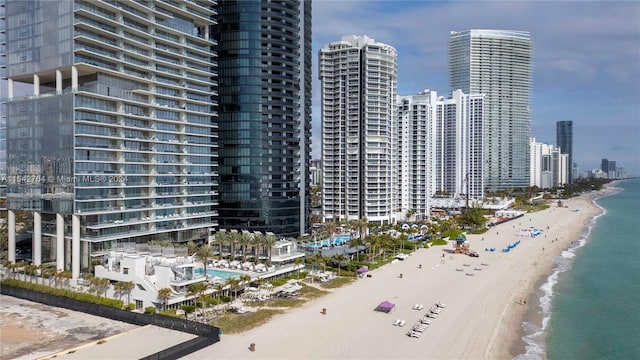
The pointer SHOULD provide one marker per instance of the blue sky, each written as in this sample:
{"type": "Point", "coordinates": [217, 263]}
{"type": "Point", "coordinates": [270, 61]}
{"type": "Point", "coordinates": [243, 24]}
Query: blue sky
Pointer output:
{"type": "Point", "coordinates": [586, 61]}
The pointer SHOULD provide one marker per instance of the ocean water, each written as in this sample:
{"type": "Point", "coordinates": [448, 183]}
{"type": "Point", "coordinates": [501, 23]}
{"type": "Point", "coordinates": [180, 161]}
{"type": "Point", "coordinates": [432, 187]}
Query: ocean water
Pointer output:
{"type": "Point", "coordinates": [591, 303]}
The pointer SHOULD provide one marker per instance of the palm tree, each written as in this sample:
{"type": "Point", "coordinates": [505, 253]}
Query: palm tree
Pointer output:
{"type": "Point", "coordinates": [362, 225]}
{"type": "Point", "coordinates": [244, 240]}
{"type": "Point", "coordinates": [188, 309]}
{"type": "Point", "coordinates": [198, 290]}
{"type": "Point", "coordinates": [233, 285]}
{"type": "Point", "coordinates": [268, 243]}
{"type": "Point", "coordinates": [127, 286]}
{"type": "Point", "coordinates": [330, 227]}
{"type": "Point", "coordinates": [245, 279]}
{"type": "Point", "coordinates": [258, 241]}
{"type": "Point", "coordinates": [164, 294]}
{"type": "Point", "coordinates": [204, 253]}
{"type": "Point", "coordinates": [65, 276]}
{"type": "Point", "coordinates": [340, 260]}
{"type": "Point", "coordinates": [218, 288]}
{"type": "Point", "coordinates": [356, 243]}
{"type": "Point", "coordinates": [220, 237]}
{"type": "Point", "coordinates": [191, 248]}
{"type": "Point", "coordinates": [297, 264]}
{"type": "Point", "coordinates": [234, 238]}
{"type": "Point", "coordinates": [117, 289]}
{"type": "Point", "coordinates": [49, 273]}
{"type": "Point", "coordinates": [319, 259]}
{"type": "Point", "coordinates": [30, 269]}
{"type": "Point", "coordinates": [410, 214]}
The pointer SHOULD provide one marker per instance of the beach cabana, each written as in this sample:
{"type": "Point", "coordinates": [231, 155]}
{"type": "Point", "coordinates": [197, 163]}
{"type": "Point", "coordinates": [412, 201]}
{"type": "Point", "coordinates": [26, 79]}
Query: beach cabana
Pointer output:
{"type": "Point", "coordinates": [385, 306]}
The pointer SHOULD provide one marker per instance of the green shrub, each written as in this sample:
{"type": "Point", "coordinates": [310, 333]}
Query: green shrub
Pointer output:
{"type": "Point", "coordinates": [85, 297]}
{"type": "Point", "coordinates": [150, 310]}
{"type": "Point", "coordinates": [278, 282]}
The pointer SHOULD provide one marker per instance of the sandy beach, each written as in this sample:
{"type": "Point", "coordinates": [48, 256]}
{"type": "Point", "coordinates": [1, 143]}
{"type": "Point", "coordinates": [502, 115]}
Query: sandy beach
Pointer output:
{"type": "Point", "coordinates": [484, 310]}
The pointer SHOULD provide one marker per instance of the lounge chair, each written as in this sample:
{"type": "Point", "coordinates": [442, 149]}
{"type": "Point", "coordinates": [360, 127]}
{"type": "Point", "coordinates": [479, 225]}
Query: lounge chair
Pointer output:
{"type": "Point", "coordinates": [414, 334]}
{"type": "Point", "coordinates": [397, 322]}
{"type": "Point", "coordinates": [420, 307]}
{"type": "Point", "coordinates": [415, 306]}
{"type": "Point", "coordinates": [441, 305]}
{"type": "Point", "coordinates": [402, 323]}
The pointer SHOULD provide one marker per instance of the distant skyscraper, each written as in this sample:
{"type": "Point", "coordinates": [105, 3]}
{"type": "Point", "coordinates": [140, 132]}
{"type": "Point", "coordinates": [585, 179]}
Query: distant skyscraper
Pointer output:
{"type": "Point", "coordinates": [359, 86]}
{"type": "Point", "coordinates": [564, 140]}
{"type": "Point", "coordinates": [264, 65]}
{"type": "Point", "coordinates": [549, 167]}
{"type": "Point", "coordinates": [118, 140]}
{"type": "Point", "coordinates": [498, 63]}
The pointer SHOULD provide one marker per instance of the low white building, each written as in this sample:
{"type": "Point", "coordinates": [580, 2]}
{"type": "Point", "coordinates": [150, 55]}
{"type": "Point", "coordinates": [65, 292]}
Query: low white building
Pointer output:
{"type": "Point", "coordinates": [151, 268]}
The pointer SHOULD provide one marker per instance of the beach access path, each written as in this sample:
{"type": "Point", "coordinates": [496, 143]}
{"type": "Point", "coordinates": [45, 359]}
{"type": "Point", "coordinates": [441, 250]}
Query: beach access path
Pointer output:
{"type": "Point", "coordinates": [483, 314]}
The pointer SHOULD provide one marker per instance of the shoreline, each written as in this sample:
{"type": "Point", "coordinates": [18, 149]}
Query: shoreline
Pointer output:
{"type": "Point", "coordinates": [486, 308]}
{"type": "Point", "coordinates": [533, 314]}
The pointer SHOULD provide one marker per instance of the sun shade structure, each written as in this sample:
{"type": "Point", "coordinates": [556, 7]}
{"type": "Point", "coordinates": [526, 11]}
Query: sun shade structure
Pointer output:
{"type": "Point", "coordinates": [385, 306]}
{"type": "Point", "coordinates": [363, 270]}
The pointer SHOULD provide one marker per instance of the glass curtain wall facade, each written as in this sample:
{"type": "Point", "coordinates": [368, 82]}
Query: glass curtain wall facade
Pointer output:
{"type": "Point", "coordinates": [564, 140]}
{"type": "Point", "coordinates": [118, 141]}
{"type": "Point", "coordinates": [264, 58]}
{"type": "Point", "coordinates": [3, 94]}
{"type": "Point", "coordinates": [498, 63]}
{"type": "Point", "coordinates": [359, 119]}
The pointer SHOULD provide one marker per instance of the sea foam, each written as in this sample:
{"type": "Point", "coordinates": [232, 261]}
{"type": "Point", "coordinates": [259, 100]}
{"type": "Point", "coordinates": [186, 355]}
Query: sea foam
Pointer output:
{"type": "Point", "coordinates": [534, 337]}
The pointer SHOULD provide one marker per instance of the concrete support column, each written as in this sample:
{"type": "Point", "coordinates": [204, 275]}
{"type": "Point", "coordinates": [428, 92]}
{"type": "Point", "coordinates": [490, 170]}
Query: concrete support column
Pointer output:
{"type": "Point", "coordinates": [58, 81]}
{"type": "Point", "coordinates": [11, 219]}
{"type": "Point", "coordinates": [36, 84]}
{"type": "Point", "coordinates": [10, 88]}
{"type": "Point", "coordinates": [74, 78]}
{"type": "Point", "coordinates": [67, 253]}
{"type": "Point", "coordinates": [75, 247]}
{"type": "Point", "coordinates": [36, 250]}
{"type": "Point", "coordinates": [59, 242]}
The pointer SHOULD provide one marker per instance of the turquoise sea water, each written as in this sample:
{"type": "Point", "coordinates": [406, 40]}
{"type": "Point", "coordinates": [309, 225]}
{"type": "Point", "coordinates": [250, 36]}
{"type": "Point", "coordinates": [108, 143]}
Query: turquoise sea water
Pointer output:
{"type": "Point", "coordinates": [591, 304]}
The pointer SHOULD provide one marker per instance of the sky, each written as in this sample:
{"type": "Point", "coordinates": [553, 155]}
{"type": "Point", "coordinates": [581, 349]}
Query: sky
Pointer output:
{"type": "Point", "coordinates": [586, 61]}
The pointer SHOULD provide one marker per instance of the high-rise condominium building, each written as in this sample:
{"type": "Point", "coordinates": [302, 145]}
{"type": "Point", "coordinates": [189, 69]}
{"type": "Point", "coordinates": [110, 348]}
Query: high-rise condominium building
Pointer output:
{"type": "Point", "coordinates": [358, 88]}
{"type": "Point", "coordinates": [414, 153]}
{"type": "Point", "coordinates": [3, 106]}
{"type": "Point", "coordinates": [116, 142]}
{"type": "Point", "coordinates": [458, 146]}
{"type": "Point", "coordinates": [264, 66]}
{"type": "Point", "coordinates": [564, 140]}
{"type": "Point", "coordinates": [498, 63]}
{"type": "Point", "coordinates": [549, 167]}
{"type": "Point", "coordinates": [439, 149]}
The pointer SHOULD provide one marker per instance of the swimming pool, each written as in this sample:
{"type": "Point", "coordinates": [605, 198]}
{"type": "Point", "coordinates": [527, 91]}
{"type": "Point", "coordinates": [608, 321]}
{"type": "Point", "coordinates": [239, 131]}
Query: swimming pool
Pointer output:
{"type": "Point", "coordinates": [218, 273]}
{"type": "Point", "coordinates": [338, 240]}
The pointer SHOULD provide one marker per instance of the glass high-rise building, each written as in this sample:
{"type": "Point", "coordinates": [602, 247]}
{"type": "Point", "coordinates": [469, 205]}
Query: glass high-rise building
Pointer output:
{"type": "Point", "coordinates": [564, 140]}
{"type": "Point", "coordinates": [3, 106]}
{"type": "Point", "coordinates": [117, 141]}
{"type": "Point", "coordinates": [498, 64]}
{"type": "Point", "coordinates": [264, 66]}
{"type": "Point", "coordinates": [359, 80]}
